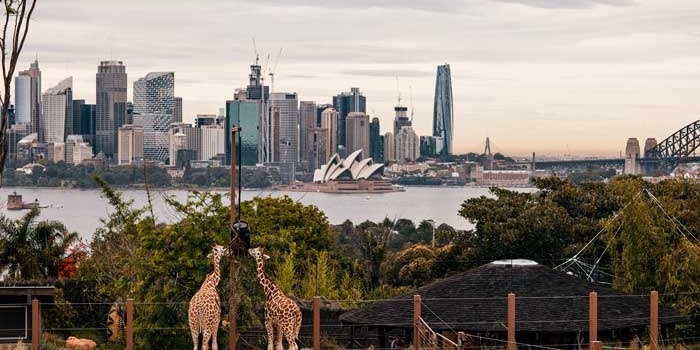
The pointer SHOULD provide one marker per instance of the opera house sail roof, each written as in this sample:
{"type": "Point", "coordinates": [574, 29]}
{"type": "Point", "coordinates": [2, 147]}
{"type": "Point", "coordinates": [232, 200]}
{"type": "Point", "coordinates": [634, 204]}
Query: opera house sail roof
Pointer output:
{"type": "Point", "coordinates": [353, 167]}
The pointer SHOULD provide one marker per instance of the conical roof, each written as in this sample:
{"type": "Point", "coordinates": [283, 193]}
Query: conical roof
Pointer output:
{"type": "Point", "coordinates": [546, 301]}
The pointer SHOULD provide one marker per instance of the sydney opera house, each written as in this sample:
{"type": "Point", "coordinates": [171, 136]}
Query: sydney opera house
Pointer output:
{"type": "Point", "coordinates": [350, 175]}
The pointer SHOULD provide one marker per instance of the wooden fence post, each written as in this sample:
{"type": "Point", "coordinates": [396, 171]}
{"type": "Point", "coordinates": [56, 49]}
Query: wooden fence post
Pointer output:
{"type": "Point", "coordinates": [460, 340]}
{"type": "Point", "coordinates": [596, 345]}
{"type": "Point", "coordinates": [129, 324]}
{"type": "Point", "coordinates": [36, 324]}
{"type": "Point", "coordinates": [317, 323]}
{"type": "Point", "coordinates": [592, 318]}
{"type": "Point", "coordinates": [654, 320]}
{"type": "Point", "coordinates": [416, 321]}
{"type": "Point", "coordinates": [511, 321]}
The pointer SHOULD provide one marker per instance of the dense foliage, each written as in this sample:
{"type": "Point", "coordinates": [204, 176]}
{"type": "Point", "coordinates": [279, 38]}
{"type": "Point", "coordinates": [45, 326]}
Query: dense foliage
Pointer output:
{"type": "Point", "coordinates": [646, 239]}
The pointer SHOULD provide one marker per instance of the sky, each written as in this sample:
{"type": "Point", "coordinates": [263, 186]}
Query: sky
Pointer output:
{"type": "Point", "coordinates": [555, 77]}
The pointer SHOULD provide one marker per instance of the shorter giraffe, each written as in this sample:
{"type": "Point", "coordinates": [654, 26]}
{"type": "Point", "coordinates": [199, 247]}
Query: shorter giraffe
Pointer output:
{"type": "Point", "coordinates": [205, 308]}
{"type": "Point", "coordinates": [281, 313]}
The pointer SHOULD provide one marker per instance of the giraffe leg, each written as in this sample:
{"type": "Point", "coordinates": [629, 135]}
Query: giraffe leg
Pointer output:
{"type": "Point", "coordinates": [269, 327]}
{"type": "Point", "coordinates": [206, 335]}
{"type": "Point", "coordinates": [291, 339]}
{"type": "Point", "coordinates": [195, 336]}
{"type": "Point", "coordinates": [214, 345]}
{"type": "Point", "coordinates": [278, 339]}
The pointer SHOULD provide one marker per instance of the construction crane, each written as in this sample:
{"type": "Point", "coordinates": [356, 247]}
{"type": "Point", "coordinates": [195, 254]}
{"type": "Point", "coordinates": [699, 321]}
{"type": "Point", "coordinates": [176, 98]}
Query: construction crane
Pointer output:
{"type": "Point", "coordinates": [257, 56]}
{"type": "Point", "coordinates": [410, 100]}
{"type": "Point", "coordinates": [273, 70]}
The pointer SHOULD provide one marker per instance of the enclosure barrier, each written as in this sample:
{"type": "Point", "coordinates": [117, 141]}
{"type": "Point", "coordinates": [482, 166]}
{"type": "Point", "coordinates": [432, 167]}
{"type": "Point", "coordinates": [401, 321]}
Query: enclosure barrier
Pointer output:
{"type": "Point", "coordinates": [424, 338]}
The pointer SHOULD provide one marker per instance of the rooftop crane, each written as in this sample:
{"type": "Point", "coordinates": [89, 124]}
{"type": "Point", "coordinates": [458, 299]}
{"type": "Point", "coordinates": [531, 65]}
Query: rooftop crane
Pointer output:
{"type": "Point", "coordinates": [272, 71]}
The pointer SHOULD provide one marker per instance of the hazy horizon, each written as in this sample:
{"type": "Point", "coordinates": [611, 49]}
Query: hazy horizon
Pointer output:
{"type": "Point", "coordinates": [548, 76]}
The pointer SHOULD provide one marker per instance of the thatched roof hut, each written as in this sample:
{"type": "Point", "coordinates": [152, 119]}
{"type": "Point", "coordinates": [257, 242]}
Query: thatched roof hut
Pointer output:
{"type": "Point", "coordinates": [548, 303]}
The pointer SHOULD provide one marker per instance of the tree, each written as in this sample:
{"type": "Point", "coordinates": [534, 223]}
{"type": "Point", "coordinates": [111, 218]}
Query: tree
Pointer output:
{"type": "Point", "coordinates": [32, 250]}
{"type": "Point", "coordinates": [17, 17]}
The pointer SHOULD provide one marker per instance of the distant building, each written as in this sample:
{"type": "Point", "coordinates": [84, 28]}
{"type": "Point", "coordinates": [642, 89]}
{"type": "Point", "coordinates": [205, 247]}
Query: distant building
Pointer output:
{"type": "Point", "coordinates": [431, 146]}
{"type": "Point", "coordinates": [316, 148]}
{"type": "Point", "coordinates": [345, 103]}
{"type": "Point", "coordinates": [205, 119]}
{"type": "Point", "coordinates": [25, 146]}
{"type": "Point", "coordinates": [110, 112]}
{"type": "Point", "coordinates": [177, 112]}
{"type": "Point", "coordinates": [357, 132]}
{"type": "Point", "coordinates": [443, 117]}
{"type": "Point", "coordinates": [15, 133]}
{"type": "Point", "coordinates": [376, 141]}
{"type": "Point", "coordinates": [307, 120]}
{"type": "Point", "coordinates": [131, 138]}
{"type": "Point", "coordinates": [244, 114]}
{"type": "Point", "coordinates": [212, 142]}
{"type": "Point", "coordinates": [28, 97]}
{"type": "Point", "coordinates": [407, 145]}
{"type": "Point", "coordinates": [389, 147]}
{"type": "Point", "coordinates": [329, 121]}
{"type": "Point", "coordinates": [400, 120]}
{"type": "Point", "coordinates": [154, 109]}
{"type": "Point", "coordinates": [178, 142]}
{"type": "Point", "coordinates": [56, 152]}
{"type": "Point", "coordinates": [319, 110]}
{"type": "Point", "coordinates": [77, 150]}
{"type": "Point", "coordinates": [632, 155]}
{"type": "Point", "coordinates": [284, 109]}
{"type": "Point", "coordinates": [57, 111]}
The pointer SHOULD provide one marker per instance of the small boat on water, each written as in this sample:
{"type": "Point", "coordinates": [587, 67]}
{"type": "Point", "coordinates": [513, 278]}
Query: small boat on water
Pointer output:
{"type": "Point", "coordinates": [14, 202]}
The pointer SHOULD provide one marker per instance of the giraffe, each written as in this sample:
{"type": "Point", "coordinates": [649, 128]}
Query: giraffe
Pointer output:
{"type": "Point", "coordinates": [281, 313]}
{"type": "Point", "coordinates": [204, 310]}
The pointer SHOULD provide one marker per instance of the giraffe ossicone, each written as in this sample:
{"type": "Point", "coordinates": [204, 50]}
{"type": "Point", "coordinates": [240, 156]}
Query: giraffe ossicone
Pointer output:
{"type": "Point", "coordinates": [205, 308]}
{"type": "Point", "coordinates": [282, 314]}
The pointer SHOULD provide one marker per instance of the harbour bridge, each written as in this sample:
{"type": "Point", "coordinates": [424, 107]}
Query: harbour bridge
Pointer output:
{"type": "Point", "coordinates": [661, 158]}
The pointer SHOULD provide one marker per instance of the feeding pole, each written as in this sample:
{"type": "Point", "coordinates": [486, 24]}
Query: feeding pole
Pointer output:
{"type": "Point", "coordinates": [234, 247]}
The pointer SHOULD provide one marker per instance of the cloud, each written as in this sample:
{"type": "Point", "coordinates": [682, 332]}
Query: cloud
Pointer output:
{"type": "Point", "coordinates": [418, 5]}
{"type": "Point", "coordinates": [569, 4]}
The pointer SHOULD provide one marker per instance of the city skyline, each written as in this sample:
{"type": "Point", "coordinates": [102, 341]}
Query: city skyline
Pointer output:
{"type": "Point", "coordinates": [577, 77]}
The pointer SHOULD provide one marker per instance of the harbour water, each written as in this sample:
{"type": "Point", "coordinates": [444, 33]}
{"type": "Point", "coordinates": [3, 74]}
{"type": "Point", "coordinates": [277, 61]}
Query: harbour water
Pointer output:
{"type": "Point", "coordinates": [82, 210]}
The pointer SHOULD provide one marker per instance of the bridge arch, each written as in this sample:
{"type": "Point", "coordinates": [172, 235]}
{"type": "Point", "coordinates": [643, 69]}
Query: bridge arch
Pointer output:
{"type": "Point", "coordinates": [679, 145]}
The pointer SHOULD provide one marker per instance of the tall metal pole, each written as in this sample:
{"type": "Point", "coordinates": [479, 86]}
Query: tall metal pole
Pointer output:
{"type": "Point", "coordinates": [235, 248]}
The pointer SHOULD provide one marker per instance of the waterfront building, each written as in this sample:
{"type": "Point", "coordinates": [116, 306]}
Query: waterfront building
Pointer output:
{"type": "Point", "coordinates": [307, 120]}
{"type": "Point", "coordinates": [110, 109]}
{"type": "Point", "coordinates": [244, 114]}
{"type": "Point", "coordinates": [329, 121]}
{"type": "Point", "coordinates": [284, 109]}
{"type": "Point", "coordinates": [77, 150]}
{"type": "Point", "coordinates": [354, 167]}
{"type": "Point", "coordinates": [345, 103]}
{"type": "Point", "coordinates": [212, 141]}
{"type": "Point", "coordinates": [131, 140]}
{"type": "Point", "coordinates": [28, 97]}
{"type": "Point", "coordinates": [443, 118]}
{"type": "Point", "coordinates": [316, 148]}
{"type": "Point", "coordinates": [357, 132]}
{"type": "Point", "coordinates": [407, 145]}
{"type": "Point", "coordinates": [376, 141]}
{"type": "Point", "coordinates": [389, 147]}
{"type": "Point", "coordinates": [56, 111]}
{"type": "Point", "coordinates": [56, 152]}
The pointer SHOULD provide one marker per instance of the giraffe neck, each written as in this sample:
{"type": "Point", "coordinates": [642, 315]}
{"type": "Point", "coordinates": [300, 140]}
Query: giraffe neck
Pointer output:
{"type": "Point", "coordinates": [213, 277]}
{"type": "Point", "coordinates": [267, 284]}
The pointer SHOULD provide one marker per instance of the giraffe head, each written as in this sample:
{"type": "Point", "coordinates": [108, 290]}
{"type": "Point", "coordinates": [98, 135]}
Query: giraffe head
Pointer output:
{"type": "Point", "coordinates": [217, 252]}
{"type": "Point", "coordinates": [257, 253]}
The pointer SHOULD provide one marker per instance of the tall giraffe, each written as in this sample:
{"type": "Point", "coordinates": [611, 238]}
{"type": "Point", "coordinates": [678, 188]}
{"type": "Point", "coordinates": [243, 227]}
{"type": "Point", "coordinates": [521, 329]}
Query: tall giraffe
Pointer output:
{"type": "Point", "coordinates": [281, 313]}
{"type": "Point", "coordinates": [205, 308]}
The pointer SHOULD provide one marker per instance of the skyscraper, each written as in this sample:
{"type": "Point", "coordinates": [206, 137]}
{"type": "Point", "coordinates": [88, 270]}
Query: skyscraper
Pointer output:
{"type": "Point", "coordinates": [307, 120]}
{"type": "Point", "coordinates": [357, 132]}
{"type": "Point", "coordinates": [23, 100]}
{"type": "Point", "coordinates": [443, 118]}
{"type": "Point", "coordinates": [284, 111]}
{"type": "Point", "coordinates": [84, 121]}
{"type": "Point", "coordinates": [376, 142]}
{"type": "Point", "coordinates": [345, 103]}
{"type": "Point", "coordinates": [34, 96]}
{"type": "Point", "coordinates": [154, 108]}
{"type": "Point", "coordinates": [177, 113]}
{"type": "Point", "coordinates": [110, 109]}
{"type": "Point", "coordinates": [57, 110]}
{"type": "Point", "coordinates": [407, 145]}
{"type": "Point", "coordinates": [246, 115]}
{"type": "Point", "coordinates": [130, 142]}
{"type": "Point", "coordinates": [329, 121]}
{"type": "Point", "coordinates": [389, 147]}
{"type": "Point", "coordinates": [316, 143]}
{"type": "Point", "coordinates": [258, 92]}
